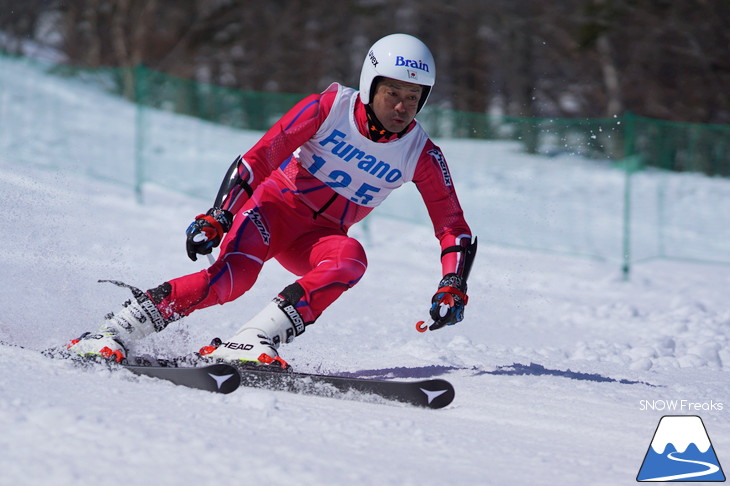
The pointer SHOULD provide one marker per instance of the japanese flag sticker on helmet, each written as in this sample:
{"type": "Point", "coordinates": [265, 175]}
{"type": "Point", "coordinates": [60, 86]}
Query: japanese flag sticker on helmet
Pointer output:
{"type": "Point", "coordinates": [402, 57]}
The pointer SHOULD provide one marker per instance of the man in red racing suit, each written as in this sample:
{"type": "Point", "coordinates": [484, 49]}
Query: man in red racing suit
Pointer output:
{"type": "Point", "coordinates": [320, 169]}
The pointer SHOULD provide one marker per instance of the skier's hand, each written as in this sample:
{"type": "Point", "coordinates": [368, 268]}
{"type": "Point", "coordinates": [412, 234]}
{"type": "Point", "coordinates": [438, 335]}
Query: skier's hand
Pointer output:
{"type": "Point", "coordinates": [206, 232]}
{"type": "Point", "coordinates": [447, 304]}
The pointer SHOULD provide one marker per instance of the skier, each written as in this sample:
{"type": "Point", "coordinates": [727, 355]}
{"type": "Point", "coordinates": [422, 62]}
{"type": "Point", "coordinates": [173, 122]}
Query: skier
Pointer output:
{"type": "Point", "coordinates": [293, 196]}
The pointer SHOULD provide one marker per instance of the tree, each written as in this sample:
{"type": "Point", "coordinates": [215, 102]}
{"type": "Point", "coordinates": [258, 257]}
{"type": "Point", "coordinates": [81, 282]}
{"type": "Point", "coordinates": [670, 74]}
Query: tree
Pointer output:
{"type": "Point", "coordinates": [581, 58]}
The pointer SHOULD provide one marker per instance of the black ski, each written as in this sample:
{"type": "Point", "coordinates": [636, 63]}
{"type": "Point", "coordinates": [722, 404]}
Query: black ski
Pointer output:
{"type": "Point", "coordinates": [432, 393]}
{"type": "Point", "coordinates": [219, 378]}
{"type": "Point", "coordinates": [224, 378]}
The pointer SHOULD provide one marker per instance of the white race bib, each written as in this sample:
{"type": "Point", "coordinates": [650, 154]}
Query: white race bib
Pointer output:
{"type": "Point", "coordinates": [354, 166]}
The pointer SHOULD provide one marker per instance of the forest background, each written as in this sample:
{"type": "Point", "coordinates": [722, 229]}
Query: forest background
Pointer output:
{"type": "Point", "coordinates": [568, 58]}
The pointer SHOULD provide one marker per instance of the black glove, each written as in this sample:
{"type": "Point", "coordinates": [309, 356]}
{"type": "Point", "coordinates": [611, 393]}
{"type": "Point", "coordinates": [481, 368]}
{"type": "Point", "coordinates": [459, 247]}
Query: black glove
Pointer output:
{"type": "Point", "coordinates": [206, 232]}
{"type": "Point", "coordinates": [447, 304]}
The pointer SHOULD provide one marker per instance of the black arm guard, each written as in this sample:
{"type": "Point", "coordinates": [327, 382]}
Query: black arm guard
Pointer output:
{"type": "Point", "coordinates": [238, 178]}
{"type": "Point", "coordinates": [468, 252]}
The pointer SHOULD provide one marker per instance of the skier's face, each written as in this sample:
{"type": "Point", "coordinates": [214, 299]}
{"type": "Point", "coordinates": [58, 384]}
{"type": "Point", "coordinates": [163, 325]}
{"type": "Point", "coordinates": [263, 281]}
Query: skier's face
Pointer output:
{"type": "Point", "coordinates": [395, 103]}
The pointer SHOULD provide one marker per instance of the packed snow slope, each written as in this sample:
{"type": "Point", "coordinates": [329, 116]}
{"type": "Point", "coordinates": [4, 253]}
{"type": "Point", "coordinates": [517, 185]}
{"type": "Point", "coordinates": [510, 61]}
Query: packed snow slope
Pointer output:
{"type": "Point", "coordinates": [562, 370]}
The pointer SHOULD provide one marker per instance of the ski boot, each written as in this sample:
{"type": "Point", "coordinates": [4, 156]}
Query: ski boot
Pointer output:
{"type": "Point", "coordinates": [138, 318]}
{"type": "Point", "coordinates": [257, 341]}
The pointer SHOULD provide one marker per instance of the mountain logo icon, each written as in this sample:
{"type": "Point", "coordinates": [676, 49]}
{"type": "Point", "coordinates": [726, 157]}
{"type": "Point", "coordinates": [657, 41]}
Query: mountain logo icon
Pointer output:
{"type": "Point", "coordinates": [681, 451]}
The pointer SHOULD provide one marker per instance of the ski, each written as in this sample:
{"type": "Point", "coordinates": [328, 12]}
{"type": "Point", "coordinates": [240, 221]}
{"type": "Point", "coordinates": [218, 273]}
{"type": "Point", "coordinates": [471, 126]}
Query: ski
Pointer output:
{"type": "Point", "coordinates": [431, 393]}
{"type": "Point", "coordinates": [224, 378]}
{"type": "Point", "coordinates": [219, 378]}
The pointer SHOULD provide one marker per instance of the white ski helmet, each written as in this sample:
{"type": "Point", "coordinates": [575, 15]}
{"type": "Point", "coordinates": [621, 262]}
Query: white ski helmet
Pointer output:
{"type": "Point", "coordinates": [398, 56]}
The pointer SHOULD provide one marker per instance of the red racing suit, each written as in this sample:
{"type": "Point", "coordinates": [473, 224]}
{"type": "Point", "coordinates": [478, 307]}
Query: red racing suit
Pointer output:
{"type": "Point", "coordinates": [314, 174]}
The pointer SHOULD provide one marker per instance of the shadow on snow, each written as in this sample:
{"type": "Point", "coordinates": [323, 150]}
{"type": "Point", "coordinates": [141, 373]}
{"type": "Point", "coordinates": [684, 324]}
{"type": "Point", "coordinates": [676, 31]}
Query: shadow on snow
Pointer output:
{"type": "Point", "coordinates": [515, 369]}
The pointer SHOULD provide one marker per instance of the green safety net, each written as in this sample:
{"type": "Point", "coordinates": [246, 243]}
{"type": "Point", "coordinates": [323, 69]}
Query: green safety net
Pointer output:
{"type": "Point", "coordinates": [625, 189]}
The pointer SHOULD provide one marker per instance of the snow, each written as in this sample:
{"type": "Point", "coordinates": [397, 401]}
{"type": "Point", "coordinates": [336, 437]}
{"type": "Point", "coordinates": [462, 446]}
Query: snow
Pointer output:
{"type": "Point", "coordinates": [562, 369]}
